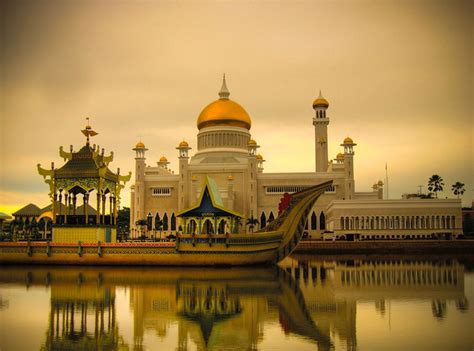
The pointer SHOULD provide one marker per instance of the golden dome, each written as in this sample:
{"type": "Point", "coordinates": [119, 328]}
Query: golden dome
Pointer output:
{"type": "Point", "coordinates": [183, 144]}
{"type": "Point", "coordinates": [163, 159]}
{"type": "Point", "coordinates": [252, 142]}
{"type": "Point", "coordinates": [340, 156]}
{"type": "Point", "coordinates": [259, 157]}
{"type": "Point", "coordinates": [348, 141]}
{"type": "Point", "coordinates": [140, 145]}
{"type": "Point", "coordinates": [380, 183]}
{"type": "Point", "coordinates": [224, 112]}
{"type": "Point", "coordinates": [320, 102]}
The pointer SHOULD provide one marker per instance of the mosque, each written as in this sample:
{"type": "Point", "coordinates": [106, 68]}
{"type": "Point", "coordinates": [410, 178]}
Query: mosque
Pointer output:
{"type": "Point", "coordinates": [228, 171]}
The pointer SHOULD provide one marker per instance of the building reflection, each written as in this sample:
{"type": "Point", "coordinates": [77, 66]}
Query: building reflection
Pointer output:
{"type": "Point", "coordinates": [82, 314]}
{"type": "Point", "coordinates": [332, 288]}
{"type": "Point", "coordinates": [221, 308]}
{"type": "Point", "coordinates": [213, 309]}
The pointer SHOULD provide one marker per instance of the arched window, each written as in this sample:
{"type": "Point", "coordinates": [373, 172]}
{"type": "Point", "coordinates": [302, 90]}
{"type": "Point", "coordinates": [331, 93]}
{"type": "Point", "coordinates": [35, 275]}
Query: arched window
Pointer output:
{"type": "Point", "coordinates": [208, 227]}
{"type": "Point", "coordinates": [192, 226]}
{"type": "Point", "coordinates": [271, 217]}
{"type": "Point", "coordinates": [322, 221]}
{"type": "Point", "coordinates": [149, 221]}
{"type": "Point", "coordinates": [173, 222]}
{"type": "Point", "coordinates": [165, 222]}
{"type": "Point", "coordinates": [342, 222]}
{"type": "Point", "coordinates": [263, 220]}
{"type": "Point", "coordinates": [157, 221]}
{"type": "Point", "coordinates": [221, 227]}
{"type": "Point", "coordinates": [314, 221]}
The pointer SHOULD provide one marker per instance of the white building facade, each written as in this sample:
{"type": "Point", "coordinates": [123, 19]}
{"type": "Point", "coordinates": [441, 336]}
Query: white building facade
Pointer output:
{"type": "Point", "coordinates": [227, 153]}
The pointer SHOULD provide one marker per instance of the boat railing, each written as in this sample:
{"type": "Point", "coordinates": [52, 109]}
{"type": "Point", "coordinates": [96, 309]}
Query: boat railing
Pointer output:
{"type": "Point", "coordinates": [230, 239]}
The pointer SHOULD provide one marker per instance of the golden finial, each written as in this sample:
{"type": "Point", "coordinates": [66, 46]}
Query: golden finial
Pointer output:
{"type": "Point", "coordinates": [88, 132]}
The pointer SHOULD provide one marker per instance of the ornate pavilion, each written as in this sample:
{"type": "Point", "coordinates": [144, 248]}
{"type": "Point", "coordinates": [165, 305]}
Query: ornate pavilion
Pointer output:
{"type": "Point", "coordinates": [209, 216]}
{"type": "Point", "coordinates": [85, 178]}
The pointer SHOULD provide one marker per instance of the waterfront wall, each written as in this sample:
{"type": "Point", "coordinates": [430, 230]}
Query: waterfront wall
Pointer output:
{"type": "Point", "coordinates": [386, 246]}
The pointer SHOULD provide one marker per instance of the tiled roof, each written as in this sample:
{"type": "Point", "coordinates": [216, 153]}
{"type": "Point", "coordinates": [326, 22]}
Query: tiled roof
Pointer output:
{"type": "Point", "coordinates": [28, 210]}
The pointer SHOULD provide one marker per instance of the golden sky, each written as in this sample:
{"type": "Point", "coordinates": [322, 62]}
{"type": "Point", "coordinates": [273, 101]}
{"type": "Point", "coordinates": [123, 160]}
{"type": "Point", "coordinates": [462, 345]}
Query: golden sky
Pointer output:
{"type": "Point", "coordinates": [398, 76]}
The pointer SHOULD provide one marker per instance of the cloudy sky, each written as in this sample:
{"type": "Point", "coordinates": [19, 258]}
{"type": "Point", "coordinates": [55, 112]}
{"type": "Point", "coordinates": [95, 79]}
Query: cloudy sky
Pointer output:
{"type": "Point", "coordinates": [398, 76]}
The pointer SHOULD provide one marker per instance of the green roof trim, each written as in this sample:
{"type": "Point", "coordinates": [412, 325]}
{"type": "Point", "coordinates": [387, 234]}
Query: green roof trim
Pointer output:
{"type": "Point", "coordinates": [215, 196]}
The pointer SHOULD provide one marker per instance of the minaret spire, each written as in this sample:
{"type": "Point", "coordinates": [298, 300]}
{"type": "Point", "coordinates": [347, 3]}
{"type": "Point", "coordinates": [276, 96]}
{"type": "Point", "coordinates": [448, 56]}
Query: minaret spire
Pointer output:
{"type": "Point", "coordinates": [224, 92]}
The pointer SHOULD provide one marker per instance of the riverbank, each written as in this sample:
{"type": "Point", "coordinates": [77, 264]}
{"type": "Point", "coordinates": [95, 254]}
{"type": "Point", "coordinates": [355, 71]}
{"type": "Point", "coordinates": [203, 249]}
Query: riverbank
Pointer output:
{"type": "Point", "coordinates": [386, 247]}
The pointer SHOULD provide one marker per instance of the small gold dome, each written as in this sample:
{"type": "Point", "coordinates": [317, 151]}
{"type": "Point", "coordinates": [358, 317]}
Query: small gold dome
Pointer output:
{"type": "Point", "coordinates": [252, 142]}
{"type": "Point", "coordinates": [320, 101]}
{"type": "Point", "coordinates": [348, 141]}
{"type": "Point", "coordinates": [380, 183]}
{"type": "Point", "coordinates": [340, 156]}
{"type": "Point", "coordinates": [163, 159]}
{"type": "Point", "coordinates": [259, 157]}
{"type": "Point", "coordinates": [140, 145]}
{"type": "Point", "coordinates": [224, 112]}
{"type": "Point", "coordinates": [183, 144]}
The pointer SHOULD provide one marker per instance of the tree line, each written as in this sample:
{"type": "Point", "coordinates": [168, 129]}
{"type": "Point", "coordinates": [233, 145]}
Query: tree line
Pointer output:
{"type": "Point", "coordinates": [436, 184]}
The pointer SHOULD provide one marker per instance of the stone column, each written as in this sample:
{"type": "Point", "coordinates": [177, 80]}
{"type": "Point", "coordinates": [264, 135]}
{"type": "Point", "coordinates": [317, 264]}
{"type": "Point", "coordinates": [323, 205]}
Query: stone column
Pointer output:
{"type": "Point", "coordinates": [66, 212]}
{"type": "Point", "coordinates": [103, 209]}
{"type": "Point", "coordinates": [86, 209]}
{"type": "Point", "coordinates": [74, 201]}
{"type": "Point", "coordinates": [55, 197]}
{"type": "Point", "coordinates": [115, 214]}
{"type": "Point", "coordinates": [60, 202]}
{"type": "Point", "coordinates": [98, 208]}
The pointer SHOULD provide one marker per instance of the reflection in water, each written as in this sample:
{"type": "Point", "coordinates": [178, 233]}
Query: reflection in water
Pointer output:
{"type": "Point", "coordinates": [214, 309]}
{"type": "Point", "coordinates": [82, 317]}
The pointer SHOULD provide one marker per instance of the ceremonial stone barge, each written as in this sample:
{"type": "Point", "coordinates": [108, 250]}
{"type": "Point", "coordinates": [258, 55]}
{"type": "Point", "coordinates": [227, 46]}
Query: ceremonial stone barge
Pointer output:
{"type": "Point", "coordinates": [269, 245]}
{"type": "Point", "coordinates": [209, 236]}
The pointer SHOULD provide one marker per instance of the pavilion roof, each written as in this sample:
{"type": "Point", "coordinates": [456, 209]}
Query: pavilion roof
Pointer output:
{"type": "Point", "coordinates": [4, 215]}
{"type": "Point", "coordinates": [28, 210]}
{"type": "Point", "coordinates": [86, 163]}
{"type": "Point", "coordinates": [79, 210]}
{"type": "Point", "coordinates": [210, 201]}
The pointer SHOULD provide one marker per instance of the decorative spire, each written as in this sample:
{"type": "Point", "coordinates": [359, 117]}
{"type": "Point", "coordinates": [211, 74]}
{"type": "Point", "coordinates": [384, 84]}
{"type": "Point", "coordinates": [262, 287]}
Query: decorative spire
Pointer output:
{"type": "Point", "coordinates": [320, 95]}
{"type": "Point", "coordinates": [88, 132]}
{"type": "Point", "coordinates": [224, 93]}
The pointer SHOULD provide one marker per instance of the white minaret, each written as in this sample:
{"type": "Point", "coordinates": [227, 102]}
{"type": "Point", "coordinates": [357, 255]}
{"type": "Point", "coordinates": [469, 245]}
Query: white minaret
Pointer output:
{"type": "Point", "coordinates": [138, 207]}
{"type": "Point", "coordinates": [320, 122]}
{"type": "Point", "coordinates": [349, 183]}
{"type": "Point", "coordinates": [251, 211]}
{"type": "Point", "coordinates": [184, 184]}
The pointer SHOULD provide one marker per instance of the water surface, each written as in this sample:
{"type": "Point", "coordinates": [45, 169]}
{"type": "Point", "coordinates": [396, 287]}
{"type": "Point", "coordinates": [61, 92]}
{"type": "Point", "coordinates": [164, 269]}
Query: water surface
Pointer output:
{"type": "Point", "coordinates": [304, 304]}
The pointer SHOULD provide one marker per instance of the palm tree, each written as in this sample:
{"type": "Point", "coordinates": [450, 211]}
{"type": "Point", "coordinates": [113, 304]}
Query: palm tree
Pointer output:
{"type": "Point", "coordinates": [159, 225]}
{"type": "Point", "coordinates": [251, 222]}
{"type": "Point", "coordinates": [458, 189]}
{"type": "Point", "coordinates": [435, 184]}
{"type": "Point", "coordinates": [141, 223]}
